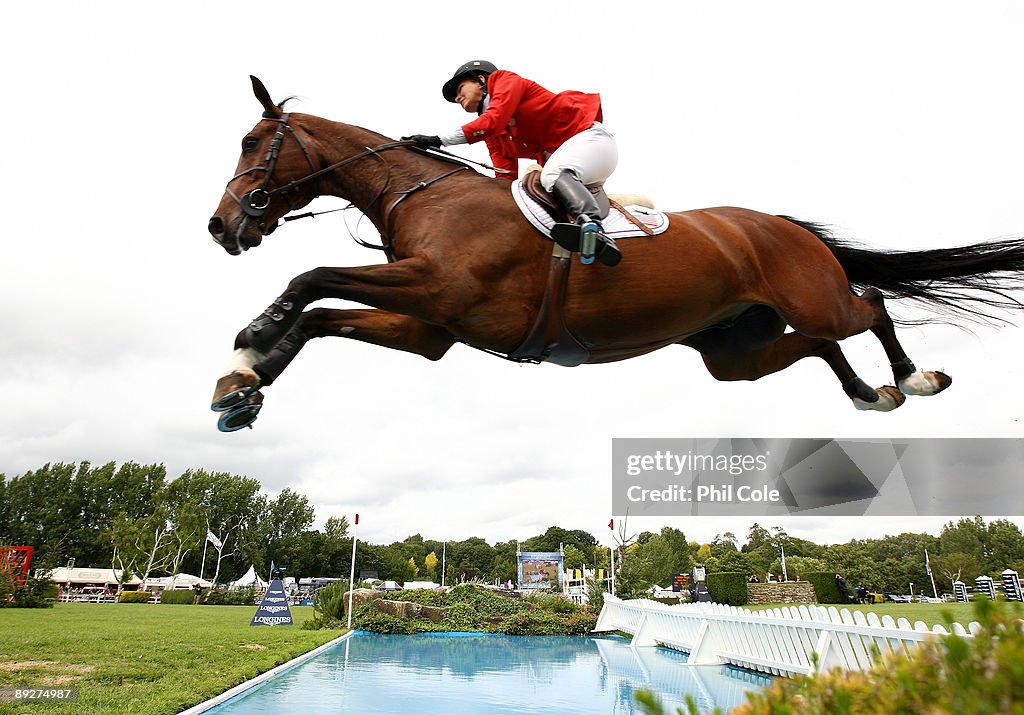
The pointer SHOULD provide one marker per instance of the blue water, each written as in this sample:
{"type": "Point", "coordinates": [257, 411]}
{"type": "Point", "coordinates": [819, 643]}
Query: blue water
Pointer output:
{"type": "Point", "coordinates": [476, 673]}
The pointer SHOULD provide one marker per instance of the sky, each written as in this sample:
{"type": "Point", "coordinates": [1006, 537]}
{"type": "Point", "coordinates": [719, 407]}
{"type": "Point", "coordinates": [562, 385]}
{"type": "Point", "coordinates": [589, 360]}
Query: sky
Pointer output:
{"type": "Point", "coordinates": [896, 124]}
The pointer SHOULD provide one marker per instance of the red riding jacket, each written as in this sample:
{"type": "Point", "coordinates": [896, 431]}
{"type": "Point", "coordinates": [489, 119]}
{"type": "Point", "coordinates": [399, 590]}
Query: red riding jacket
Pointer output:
{"type": "Point", "coordinates": [526, 121]}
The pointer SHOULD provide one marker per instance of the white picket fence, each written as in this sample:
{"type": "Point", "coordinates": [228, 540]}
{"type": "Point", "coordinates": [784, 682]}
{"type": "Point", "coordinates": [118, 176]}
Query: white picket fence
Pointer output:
{"type": "Point", "coordinates": [780, 641]}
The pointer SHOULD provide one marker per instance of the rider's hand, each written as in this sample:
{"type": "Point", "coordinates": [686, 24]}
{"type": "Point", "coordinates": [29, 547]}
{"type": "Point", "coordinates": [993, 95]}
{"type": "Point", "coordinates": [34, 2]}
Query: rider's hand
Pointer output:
{"type": "Point", "coordinates": [424, 141]}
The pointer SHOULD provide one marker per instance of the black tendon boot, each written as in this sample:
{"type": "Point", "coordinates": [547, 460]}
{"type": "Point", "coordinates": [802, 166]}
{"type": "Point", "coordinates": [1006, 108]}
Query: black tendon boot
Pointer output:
{"type": "Point", "coordinates": [586, 235]}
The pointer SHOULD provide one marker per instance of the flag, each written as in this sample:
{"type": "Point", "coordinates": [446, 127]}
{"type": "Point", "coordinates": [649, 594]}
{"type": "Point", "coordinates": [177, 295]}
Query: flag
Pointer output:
{"type": "Point", "coordinates": [272, 569]}
{"type": "Point", "coordinates": [611, 524]}
{"type": "Point", "coordinates": [785, 577]}
{"type": "Point", "coordinates": [213, 540]}
{"type": "Point", "coordinates": [357, 519]}
{"type": "Point", "coordinates": [927, 565]}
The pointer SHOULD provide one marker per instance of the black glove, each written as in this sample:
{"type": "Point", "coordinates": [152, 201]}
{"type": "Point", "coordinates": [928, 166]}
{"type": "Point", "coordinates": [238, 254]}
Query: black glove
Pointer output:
{"type": "Point", "coordinates": [424, 141]}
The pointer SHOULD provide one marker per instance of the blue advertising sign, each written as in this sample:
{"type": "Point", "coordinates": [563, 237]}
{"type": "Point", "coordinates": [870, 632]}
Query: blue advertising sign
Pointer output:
{"type": "Point", "coordinates": [273, 609]}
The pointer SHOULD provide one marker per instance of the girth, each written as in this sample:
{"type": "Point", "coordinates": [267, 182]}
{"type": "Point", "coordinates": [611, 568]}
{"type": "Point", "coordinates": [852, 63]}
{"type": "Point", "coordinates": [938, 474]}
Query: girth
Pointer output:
{"type": "Point", "coordinates": [549, 340]}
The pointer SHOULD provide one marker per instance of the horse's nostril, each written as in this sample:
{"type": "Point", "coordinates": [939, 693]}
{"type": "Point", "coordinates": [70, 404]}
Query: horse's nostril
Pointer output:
{"type": "Point", "coordinates": [216, 226]}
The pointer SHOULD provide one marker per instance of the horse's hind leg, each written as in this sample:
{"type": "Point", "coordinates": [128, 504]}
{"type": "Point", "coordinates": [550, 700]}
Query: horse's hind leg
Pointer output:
{"type": "Point", "coordinates": [237, 393]}
{"type": "Point", "coordinates": [727, 357]}
{"type": "Point", "coordinates": [910, 380]}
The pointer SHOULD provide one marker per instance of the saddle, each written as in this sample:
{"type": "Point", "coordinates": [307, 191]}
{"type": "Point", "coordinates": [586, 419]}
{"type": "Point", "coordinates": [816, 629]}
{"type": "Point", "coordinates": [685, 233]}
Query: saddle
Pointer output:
{"type": "Point", "coordinates": [535, 190]}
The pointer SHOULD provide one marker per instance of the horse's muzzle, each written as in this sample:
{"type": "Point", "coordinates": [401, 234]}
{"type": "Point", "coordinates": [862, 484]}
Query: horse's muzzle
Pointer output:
{"type": "Point", "coordinates": [233, 240]}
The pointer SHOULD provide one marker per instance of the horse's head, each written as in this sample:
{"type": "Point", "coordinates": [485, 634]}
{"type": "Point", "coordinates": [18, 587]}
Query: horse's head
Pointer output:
{"type": "Point", "coordinates": [268, 182]}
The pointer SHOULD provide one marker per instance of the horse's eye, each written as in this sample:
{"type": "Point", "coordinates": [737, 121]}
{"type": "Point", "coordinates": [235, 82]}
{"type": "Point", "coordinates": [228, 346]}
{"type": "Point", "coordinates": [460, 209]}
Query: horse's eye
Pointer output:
{"type": "Point", "coordinates": [250, 143]}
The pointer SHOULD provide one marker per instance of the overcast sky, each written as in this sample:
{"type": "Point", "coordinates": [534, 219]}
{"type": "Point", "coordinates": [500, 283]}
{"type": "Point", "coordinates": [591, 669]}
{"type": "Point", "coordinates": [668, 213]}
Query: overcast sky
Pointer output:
{"type": "Point", "coordinates": [896, 123]}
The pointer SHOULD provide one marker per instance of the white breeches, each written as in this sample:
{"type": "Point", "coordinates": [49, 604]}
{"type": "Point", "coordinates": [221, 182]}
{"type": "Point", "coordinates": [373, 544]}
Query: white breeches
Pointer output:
{"type": "Point", "coordinates": [592, 155]}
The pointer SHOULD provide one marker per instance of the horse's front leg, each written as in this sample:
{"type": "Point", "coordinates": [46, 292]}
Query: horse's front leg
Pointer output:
{"type": "Point", "coordinates": [265, 347]}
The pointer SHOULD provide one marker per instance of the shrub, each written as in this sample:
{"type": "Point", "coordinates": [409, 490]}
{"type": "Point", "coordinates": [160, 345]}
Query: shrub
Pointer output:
{"type": "Point", "coordinates": [33, 593]}
{"type": "Point", "coordinates": [825, 587]}
{"type": "Point", "coordinates": [178, 596]}
{"type": "Point", "coordinates": [242, 597]}
{"type": "Point", "coordinates": [460, 617]}
{"type": "Point", "coordinates": [368, 618]}
{"type": "Point", "coordinates": [329, 605]}
{"type": "Point", "coordinates": [422, 596]}
{"type": "Point", "coordinates": [728, 587]}
{"type": "Point", "coordinates": [133, 597]}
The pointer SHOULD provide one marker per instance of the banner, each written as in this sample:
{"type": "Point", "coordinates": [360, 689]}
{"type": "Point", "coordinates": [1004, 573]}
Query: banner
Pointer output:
{"type": "Point", "coordinates": [273, 609]}
{"type": "Point", "coordinates": [819, 477]}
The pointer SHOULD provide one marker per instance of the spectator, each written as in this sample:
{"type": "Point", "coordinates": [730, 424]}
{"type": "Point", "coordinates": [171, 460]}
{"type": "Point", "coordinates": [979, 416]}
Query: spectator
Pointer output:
{"type": "Point", "coordinates": [844, 593]}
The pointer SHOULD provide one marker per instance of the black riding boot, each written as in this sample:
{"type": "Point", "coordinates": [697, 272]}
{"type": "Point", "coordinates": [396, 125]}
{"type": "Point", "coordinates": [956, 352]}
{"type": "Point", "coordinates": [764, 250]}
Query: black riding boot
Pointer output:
{"type": "Point", "coordinates": [587, 235]}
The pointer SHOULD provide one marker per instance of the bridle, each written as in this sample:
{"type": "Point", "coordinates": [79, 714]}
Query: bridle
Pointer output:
{"type": "Point", "coordinates": [255, 203]}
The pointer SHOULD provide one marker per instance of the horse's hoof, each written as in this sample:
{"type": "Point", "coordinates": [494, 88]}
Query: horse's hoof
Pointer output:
{"type": "Point", "coordinates": [243, 416]}
{"type": "Point", "coordinates": [925, 383]}
{"type": "Point", "coordinates": [234, 389]}
{"type": "Point", "coordinates": [889, 398]}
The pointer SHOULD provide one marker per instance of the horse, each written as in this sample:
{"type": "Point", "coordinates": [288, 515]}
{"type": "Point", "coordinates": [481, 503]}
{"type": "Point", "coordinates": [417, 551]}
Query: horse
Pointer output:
{"type": "Point", "coordinates": [752, 292]}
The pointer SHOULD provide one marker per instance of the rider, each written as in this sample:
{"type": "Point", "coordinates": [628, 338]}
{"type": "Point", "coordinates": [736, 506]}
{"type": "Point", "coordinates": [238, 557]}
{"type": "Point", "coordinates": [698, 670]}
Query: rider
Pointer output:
{"type": "Point", "coordinates": [563, 132]}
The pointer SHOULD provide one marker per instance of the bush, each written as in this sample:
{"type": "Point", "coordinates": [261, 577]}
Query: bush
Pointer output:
{"type": "Point", "coordinates": [33, 593]}
{"type": "Point", "coordinates": [825, 587]}
{"type": "Point", "coordinates": [178, 596]}
{"type": "Point", "coordinates": [368, 618]}
{"type": "Point", "coordinates": [468, 608]}
{"type": "Point", "coordinates": [133, 597]}
{"type": "Point", "coordinates": [730, 588]}
{"type": "Point", "coordinates": [329, 605]}
{"type": "Point", "coordinates": [242, 597]}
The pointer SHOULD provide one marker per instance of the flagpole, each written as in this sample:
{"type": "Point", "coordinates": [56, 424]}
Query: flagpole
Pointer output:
{"type": "Point", "coordinates": [352, 572]}
{"type": "Point", "coordinates": [928, 568]}
{"type": "Point", "coordinates": [611, 553]}
{"type": "Point", "coordinates": [203, 565]}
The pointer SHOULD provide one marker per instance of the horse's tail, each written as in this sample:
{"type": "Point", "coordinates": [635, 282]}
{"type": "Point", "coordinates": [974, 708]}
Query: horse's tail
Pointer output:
{"type": "Point", "coordinates": [968, 280]}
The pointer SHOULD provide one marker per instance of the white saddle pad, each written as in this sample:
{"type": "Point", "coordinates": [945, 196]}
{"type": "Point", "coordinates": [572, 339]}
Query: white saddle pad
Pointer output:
{"type": "Point", "coordinates": [616, 225]}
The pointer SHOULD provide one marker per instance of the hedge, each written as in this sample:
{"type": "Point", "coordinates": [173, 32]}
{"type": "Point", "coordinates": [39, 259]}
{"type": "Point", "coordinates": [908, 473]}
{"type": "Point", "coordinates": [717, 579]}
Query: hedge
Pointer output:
{"type": "Point", "coordinates": [825, 587]}
{"type": "Point", "coordinates": [134, 597]}
{"type": "Point", "coordinates": [178, 596]}
{"type": "Point", "coordinates": [728, 587]}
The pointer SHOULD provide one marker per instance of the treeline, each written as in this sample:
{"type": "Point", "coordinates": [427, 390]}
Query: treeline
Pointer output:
{"type": "Point", "coordinates": [133, 517]}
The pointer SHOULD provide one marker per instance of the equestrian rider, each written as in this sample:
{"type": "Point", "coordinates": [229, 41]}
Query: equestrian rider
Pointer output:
{"type": "Point", "coordinates": [563, 132]}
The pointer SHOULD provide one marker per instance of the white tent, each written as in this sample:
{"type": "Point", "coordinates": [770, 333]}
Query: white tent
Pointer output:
{"type": "Point", "coordinates": [92, 577]}
{"type": "Point", "coordinates": [249, 580]}
{"type": "Point", "coordinates": [181, 581]}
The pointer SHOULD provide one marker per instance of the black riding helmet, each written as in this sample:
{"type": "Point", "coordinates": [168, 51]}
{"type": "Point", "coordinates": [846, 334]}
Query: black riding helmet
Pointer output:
{"type": "Point", "coordinates": [474, 67]}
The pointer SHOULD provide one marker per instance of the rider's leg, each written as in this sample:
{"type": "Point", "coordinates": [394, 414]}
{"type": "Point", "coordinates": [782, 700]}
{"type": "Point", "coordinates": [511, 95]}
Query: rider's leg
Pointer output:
{"type": "Point", "coordinates": [586, 159]}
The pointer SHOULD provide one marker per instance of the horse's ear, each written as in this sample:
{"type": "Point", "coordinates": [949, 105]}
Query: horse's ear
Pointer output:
{"type": "Point", "coordinates": [269, 108]}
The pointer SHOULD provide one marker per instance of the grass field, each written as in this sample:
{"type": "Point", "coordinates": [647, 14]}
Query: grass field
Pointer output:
{"type": "Point", "coordinates": [930, 613]}
{"type": "Point", "coordinates": [141, 658]}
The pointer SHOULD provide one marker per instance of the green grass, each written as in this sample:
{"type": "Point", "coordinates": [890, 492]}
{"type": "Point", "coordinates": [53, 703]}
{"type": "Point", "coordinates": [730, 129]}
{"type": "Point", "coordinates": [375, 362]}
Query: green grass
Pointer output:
{"type": "Point", "coordinates": [930, 613]}
{"type": "Point", "coordinates": [140, 658]}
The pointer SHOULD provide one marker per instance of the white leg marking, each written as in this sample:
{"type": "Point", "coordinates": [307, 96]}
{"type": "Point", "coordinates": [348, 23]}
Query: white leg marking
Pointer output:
{"type": "Point", "coordinates": [919, 383]}
{"type": "Point", "coordinates": [242, 360]}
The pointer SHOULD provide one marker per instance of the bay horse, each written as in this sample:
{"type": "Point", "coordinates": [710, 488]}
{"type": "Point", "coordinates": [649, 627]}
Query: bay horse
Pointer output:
{"type": "Point", "coordinates": [752, 292]}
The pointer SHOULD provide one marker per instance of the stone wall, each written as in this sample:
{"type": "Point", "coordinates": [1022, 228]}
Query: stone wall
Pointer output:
{"type": "Point", "coordinates": [787, 592]}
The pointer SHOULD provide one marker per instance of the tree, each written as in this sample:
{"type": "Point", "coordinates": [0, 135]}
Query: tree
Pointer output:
{"type": "Point", "coordinates": [956, 567]}
{"type": "Point", "coordinates": [722, 543]}
{"type": "Point", "coordinates": [277, 534]}
{"type": "Point", "coordinates": [430, 564]}
{"type": "Point", "coordinates": [1006, 545]}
